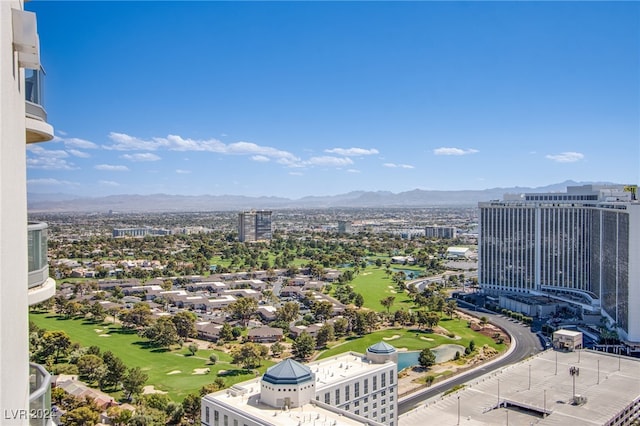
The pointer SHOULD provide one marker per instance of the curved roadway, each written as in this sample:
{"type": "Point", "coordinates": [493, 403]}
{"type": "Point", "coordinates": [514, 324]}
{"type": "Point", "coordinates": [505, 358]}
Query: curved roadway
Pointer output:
{"type": "Point", "coordinates": [526, 344]}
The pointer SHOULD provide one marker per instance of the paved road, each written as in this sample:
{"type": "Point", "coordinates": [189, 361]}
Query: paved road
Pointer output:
{"type": "Point", "coordinates": [527, 343]}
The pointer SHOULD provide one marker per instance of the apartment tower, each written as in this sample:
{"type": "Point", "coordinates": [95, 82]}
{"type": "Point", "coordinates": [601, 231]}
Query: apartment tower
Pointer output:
{"type": "Point", "coordinates": [254, 225]}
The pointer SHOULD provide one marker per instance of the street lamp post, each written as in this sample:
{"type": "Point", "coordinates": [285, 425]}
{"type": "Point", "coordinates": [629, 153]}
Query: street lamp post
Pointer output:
{"type": "Point", "coordinates": [574, 371]}
{"type": "Point", "coordinates": [458, 410]}
{"type": "Point", "coordinates": [529, 377]}
{"type": "Point", "coordinates": [544, 404]}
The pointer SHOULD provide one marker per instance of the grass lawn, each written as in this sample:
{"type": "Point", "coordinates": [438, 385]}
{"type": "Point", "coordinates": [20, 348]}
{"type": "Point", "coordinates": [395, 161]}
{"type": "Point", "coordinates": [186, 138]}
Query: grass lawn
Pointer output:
{"type": "Point", "coordinates": [413, 339]}
{"type": "Point", "coordinates": [374, 285]}
{"type": "Point", "coordinates": [157, 363]}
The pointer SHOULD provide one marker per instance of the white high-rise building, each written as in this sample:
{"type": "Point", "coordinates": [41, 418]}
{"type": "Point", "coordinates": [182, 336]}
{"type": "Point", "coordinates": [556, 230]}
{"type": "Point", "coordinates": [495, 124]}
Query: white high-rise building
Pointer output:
{"type": "Point", "coordinates": [24, 272]}
{"type": "Point", "coordinates": [349, 389]}
{"type": "Point", "coordinates": [582, 247]}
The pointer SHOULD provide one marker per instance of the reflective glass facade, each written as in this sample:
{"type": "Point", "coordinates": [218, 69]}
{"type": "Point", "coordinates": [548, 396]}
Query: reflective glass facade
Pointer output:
{"type": "Point", "coordinates": [579, 246]}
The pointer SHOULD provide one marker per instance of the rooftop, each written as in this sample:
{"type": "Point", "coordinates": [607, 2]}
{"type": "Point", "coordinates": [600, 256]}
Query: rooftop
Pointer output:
{"type": "Point", "coordinates": [381, 348]}
{"type": "Point", "coordinates": [565, 332]}
{"type": "Point", "coordinates": [288, 372]}
{"type": "Point", "coordinates": [336, 369]}
{"type": "Point", "coordinates": [608, 382]}
{"type": "Point", "coordinates": [245, 397]}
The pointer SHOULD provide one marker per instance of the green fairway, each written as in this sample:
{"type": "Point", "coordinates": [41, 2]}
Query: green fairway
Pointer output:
{"type": "Point", "coordinates": [374, 285]}
{"type": "Point", "coordinates": [169, 371]}
{"type": "Point", "coordinates": [414, 339]}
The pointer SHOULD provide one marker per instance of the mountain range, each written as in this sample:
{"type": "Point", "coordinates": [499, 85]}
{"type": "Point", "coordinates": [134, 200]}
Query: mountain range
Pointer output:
{"type": "Point", "coordinates": [129, 203]}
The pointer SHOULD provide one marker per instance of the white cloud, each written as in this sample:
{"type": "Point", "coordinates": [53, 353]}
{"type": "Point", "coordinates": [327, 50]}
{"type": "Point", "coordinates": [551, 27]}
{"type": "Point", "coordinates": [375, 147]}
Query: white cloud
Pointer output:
{"type": "Point", "coordinates": [77, 153]}
{"type": "Point", "coordinates": [183, 172]}
{"type": "Point", "coordinates": [111, 168]}
{"type": "Point", "coordinates": [566, 157]}
{"type": "Point", "coordinates": [329, 161]}
{"type": "Point", "coordinates": [352, 152]}
{"type": "Point", "coordinates": [49, 181]}
{"type": "Point", "coordinates": [144, 156]}
{"type": "Point", "coordinates": [45, 159]}
{"type": "Point", "coordinates": [353, 170]}
{"type": "Point", "coordinates": [255, 152]}
{"type": "Point", "coordinates": [124, 142]}
{"type": "Point", "coordinates": [79, 143]}
{"type": "Point", "coordinates": [108, 183]}
{"type": "Point", "coordinates": [454, 151]}
{"type": "Point", "coordinates": [296, 174]}
{"type": "Point", "coordinates": [178, 143]}
{"type": "Point", "coordinates": [398, 166]}
{"type": "Point", "coordinates": [40, 151]}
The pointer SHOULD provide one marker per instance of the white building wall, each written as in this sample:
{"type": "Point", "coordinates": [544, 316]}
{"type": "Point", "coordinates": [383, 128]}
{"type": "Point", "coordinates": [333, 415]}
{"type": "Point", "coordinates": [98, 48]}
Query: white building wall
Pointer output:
{"type": "Point", "coordinates": [14, 350]}
{"type": "Point", "coordinates": [214, 414]}
{"type": "Point", "coordinates": [373, 395]}
{"type": "Point", "coordinates": [287, 396]}
{"type": "Point", "coordinates": [634, 273]}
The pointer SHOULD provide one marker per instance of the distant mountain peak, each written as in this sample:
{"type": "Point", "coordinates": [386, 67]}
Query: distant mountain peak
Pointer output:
{"type": "Point", "coordinates": [57, 202]}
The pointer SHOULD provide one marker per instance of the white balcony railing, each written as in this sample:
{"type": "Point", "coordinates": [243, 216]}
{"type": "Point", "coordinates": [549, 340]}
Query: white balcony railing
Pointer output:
{"type": "Point", "coordinates": [39, 396]}
{"type": "Point", "coordinates": [40, 287]}
{"type": "Point", "coordinates": [37, 127]}
{"type": "Point", "coordinates": [34, 94]}
{"type": "Point", "coordinates": [38, 264]}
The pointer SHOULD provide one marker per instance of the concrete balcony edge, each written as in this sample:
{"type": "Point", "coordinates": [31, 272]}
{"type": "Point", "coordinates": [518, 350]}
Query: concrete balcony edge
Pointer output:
{"type": "Point", "coordinates": [43, 292]}
{"type": "Point", "coordinates": [38, 130]}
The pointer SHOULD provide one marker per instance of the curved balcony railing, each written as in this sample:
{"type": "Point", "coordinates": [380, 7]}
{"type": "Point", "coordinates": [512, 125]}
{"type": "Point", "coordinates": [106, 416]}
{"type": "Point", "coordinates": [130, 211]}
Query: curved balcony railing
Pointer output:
{"type": "Point", "coordinates": [38, 265]}
{"type": "Point", "coordinates": [34, 93]}
{"type": "Point", "coordinates": [39, 396]}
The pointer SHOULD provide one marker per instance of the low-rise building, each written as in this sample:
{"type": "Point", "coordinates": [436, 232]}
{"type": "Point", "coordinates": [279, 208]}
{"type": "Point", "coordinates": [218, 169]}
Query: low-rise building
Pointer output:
{"type": "Point", "coordinates": [349, 389]}
{"type": "Point", "coordinates": [569, 340]}
{"type": "Point", "coordinates": [458, 253]}
{"type": "Point", "coordinates": [265, 334]}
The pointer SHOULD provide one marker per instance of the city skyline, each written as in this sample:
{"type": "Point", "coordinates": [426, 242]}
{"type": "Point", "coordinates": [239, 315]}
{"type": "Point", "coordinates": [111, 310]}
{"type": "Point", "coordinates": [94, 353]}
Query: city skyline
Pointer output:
{"type": "Point", "coordinates": [313, 98]}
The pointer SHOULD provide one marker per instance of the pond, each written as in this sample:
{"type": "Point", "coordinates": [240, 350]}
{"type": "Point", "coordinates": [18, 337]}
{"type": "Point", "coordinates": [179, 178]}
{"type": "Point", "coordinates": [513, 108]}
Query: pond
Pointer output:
{"type": "Point", "coordinates": [410, 273]}
{"type": "Point", "coordinates": [443, 353]}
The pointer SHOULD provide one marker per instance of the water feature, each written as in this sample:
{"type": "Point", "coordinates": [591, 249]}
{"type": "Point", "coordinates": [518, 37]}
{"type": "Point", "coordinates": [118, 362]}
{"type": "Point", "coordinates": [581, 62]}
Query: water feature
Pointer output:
{"type": "Point", "coordinates": [442, 352]}
{"type": "Point", "coordinates": [410, 273]}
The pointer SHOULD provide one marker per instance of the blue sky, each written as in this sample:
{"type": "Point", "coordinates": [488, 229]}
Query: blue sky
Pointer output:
{"type": "Point", "coordinates": [320, 98]}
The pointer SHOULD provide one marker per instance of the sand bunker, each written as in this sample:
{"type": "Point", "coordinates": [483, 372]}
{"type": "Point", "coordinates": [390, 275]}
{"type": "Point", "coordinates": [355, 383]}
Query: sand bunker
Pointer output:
{"type": "Point", "coordinates": [150, 389]}
{"type": "Point", "coordinates": [104, 335]}
{"type": "Point", "coordinates": [201, 371]}
{"type": "Point", "coordinates": [174, 372]}
{"type": "Point", "coordinates": [428, 339]}
{"type": "Point", "coordinates": [98, 330]}
{"type": "Point", "coordinates": [395, 336]}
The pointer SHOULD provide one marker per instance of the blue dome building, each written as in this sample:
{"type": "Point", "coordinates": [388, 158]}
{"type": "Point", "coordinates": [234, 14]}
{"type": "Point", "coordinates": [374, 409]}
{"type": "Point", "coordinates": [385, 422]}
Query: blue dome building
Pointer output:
{"type": "Point", "coordinates": [288, 384]}
{"type": "Point", "coordinates": [382, 352]}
